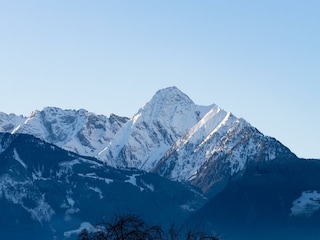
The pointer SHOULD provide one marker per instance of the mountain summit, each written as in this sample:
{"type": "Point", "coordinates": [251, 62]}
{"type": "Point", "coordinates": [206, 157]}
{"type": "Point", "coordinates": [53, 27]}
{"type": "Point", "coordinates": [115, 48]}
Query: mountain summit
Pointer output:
{"type": "Point", "coordinates": [146, 137]}
{"type": "Point", "coordinates": [168, 97]}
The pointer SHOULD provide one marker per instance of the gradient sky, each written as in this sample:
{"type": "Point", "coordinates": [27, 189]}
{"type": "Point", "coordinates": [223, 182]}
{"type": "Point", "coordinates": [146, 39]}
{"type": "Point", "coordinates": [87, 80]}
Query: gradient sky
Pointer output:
{"type": "Point", "coordinates": [257, 59]}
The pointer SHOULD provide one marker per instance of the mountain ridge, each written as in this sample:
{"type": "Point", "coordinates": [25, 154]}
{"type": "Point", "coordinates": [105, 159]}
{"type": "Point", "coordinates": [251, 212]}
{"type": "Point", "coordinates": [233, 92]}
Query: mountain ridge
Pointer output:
{"type": "Point", "coordinates": [170, 135]}
{"type": "Point", "coordinates": [173, 158]}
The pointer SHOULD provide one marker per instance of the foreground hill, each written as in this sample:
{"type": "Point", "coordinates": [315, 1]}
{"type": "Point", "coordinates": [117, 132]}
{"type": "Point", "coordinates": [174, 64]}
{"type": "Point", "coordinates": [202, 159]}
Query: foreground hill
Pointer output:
{"type": "Point", "coordinates": [277, 199]}
{"type": "Point", "coordinates": [45, 191]}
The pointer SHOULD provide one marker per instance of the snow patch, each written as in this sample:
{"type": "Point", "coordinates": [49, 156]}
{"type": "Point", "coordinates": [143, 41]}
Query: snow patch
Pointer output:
{"type": "Point", "coordinates": [94, 176]}
{"type": "Point", "coordinates": [136, 117]}
{"type": "Point", "coordinates": [187, 207]}
{"type": "Point", "coordinates": [16, 129]}
{"type": "Point", "coordinates": [148, 185]}
{"type": "Point", "coordinates": [84, 225]}
{"type": "Point", "coordinates": [307, 204]}
{"type": "Point", "coordinates": [97, 190]}
{"type": "Point", "coordinates": [42, 212]}
{"type": "Point", "coordinates": [70, 201]}
{"type": "Point", "coordinates": [17, 157]}
{"type": "Point", "coordinates": [133, 180]}
{"type": "Point", "coordinates": [37, 174]}
{"type": "Point", "coordinates": [16, 193]}
{"type": "Point", "coordinates": [69, 205]}
{"type": "Point", "coordinates": [69, 164]}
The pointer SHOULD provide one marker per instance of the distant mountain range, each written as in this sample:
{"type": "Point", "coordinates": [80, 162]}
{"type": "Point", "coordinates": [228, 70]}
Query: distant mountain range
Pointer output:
{"type": "Point", "coordinates": [57, 165]}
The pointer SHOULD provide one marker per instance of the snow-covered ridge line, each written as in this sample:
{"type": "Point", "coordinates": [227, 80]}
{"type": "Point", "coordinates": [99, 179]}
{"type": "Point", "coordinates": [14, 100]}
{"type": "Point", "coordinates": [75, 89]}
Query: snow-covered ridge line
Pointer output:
{"type": "Point", "coordinates": [169, 135]}
{"type": "Point", "coordinates": [79, 131]}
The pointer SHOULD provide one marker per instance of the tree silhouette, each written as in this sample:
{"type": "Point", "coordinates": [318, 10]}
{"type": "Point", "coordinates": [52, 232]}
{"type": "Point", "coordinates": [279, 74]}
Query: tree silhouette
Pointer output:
{"type": "Point", "coordinates": [84, 235]}
{"type": "Point", "coordinates": [132, 227]}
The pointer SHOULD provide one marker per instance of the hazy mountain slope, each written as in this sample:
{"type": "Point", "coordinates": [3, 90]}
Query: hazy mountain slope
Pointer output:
{"type": "Point", "coordinates": [46, 191]}
{"type": "Point", "coordinates": [277, 199]}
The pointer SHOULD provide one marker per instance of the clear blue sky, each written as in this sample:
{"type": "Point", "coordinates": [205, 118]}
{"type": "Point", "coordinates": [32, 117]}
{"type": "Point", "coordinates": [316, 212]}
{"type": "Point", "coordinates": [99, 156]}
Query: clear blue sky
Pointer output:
{"type": "Point", "coordinates": [257, 59]}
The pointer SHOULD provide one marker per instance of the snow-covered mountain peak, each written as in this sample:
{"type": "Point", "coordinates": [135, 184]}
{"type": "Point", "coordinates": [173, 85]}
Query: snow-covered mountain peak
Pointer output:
{"type": "Point", "coordinates": [171, 95]}
{"type": "Point", "coordinates": [173, 109]}
{"type": "Point", "coordinates": [145, 138]}
{"type": "Point", "coordinates": [166, 103]}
